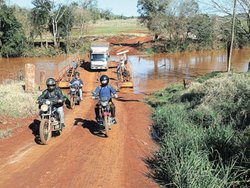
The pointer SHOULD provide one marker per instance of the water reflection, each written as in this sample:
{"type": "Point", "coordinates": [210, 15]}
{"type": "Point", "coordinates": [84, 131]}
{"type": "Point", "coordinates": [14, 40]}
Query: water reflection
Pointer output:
{"type": "Point", "coordinates": [154, 72]}
{"type": "Point", "coordinates": [11, 68]}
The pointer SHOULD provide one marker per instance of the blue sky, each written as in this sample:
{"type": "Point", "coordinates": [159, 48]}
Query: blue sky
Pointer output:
{"type": "Point", "coordinates": [124, 7]}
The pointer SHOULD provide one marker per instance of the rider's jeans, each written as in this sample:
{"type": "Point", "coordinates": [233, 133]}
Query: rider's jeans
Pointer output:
{"type": "Point", "coordinates": [61, 114]}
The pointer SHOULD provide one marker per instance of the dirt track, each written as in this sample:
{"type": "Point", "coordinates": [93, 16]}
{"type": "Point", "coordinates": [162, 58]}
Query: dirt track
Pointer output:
{"type": "Point", "coordinates": [81, 157]}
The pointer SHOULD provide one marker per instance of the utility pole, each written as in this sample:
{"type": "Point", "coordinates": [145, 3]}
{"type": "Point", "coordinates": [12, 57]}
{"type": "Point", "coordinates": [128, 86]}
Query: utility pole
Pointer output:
{"type": "Point", "coordinates": [232, 40]}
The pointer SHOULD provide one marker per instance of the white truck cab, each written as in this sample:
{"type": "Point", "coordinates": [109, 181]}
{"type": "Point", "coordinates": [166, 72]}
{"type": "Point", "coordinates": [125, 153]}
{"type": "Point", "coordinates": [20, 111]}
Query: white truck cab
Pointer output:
{"type": "Point", "coordinates": [99, 54]}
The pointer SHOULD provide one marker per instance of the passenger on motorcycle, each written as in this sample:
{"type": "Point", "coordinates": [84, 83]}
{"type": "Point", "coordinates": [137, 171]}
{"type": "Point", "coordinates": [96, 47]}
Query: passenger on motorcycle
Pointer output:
{"type": "Point", "coordinates": [54, 93]}
{"type": "Point", "coordinates": [105, 90]}
{"type": "Point", "coordinates": [76, 80]}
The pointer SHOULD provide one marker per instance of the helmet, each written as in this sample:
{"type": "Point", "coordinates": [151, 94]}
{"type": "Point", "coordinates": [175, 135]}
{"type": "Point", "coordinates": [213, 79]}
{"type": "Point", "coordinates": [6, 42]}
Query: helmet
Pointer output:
{"type": "Point", "coordinates": [104, 79]}
{"type": "Point", "coordinates": [51, 84]}
{"type": "Point", "coordinates": [77, 74]}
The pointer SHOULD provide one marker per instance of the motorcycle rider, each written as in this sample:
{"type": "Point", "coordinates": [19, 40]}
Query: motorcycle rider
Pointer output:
{"type": "Point", "coordinates": [76, 80]}
{"type": "Point", "coordinates": [54, 93]}
{"type": "Point", "coordinates": [105, 90]}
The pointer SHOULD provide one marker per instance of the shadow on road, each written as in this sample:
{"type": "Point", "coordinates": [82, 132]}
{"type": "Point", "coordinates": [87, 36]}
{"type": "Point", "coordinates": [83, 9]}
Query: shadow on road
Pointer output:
{"type": "Point", "coordinates": [121, 99]}
{"type": "Point", "coordinates": [93, 127]}
{"type": "Point", "coordinates": [34, 126]}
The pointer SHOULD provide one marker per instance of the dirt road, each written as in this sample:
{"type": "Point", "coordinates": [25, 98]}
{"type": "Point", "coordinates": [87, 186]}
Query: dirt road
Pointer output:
{"type": "Point", "coordinates": [81, 157]}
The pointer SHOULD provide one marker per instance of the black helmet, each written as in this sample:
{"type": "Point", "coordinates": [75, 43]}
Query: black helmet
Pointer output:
{"type": "Point", "coordinates": [104, 79]}
{"type": "Point", "coordinates": [51, 84]}
{"type": "Point", "coordinates": [77, 74]}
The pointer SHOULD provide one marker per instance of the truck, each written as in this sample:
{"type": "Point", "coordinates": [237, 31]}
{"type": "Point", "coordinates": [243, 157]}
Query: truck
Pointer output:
{"type": "Point", "coordinates": [99, 55]}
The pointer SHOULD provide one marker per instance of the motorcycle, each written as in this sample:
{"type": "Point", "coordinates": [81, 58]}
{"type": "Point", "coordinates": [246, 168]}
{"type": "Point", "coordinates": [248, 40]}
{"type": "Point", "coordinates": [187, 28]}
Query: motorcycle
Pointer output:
{"type": "Point", "coordinates": [50, 120]}
{"type": "Point", "coordinates": [105, 114]}
{"type": "Point", "coordinates": [74, 95]}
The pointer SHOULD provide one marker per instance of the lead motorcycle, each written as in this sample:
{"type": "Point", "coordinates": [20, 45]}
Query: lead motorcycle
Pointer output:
{"type": "Point", "coordinates": [105, 114]}
{"type": "Point", "coordinates": [50, 121]}
{"type": "Point", "coordinates": [74, 95]}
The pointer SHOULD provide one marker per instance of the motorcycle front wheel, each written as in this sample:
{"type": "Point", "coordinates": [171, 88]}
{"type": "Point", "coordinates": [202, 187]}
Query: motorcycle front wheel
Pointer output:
{"type": "Point", "coordinates": [45, 131]}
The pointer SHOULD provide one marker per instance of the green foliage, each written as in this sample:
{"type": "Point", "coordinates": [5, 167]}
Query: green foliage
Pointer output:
{"type": "Point", "coordinates": [152, 13]}
{"type": "Point", "coordinates": [12, 39]}
{"type": "Point", "coordinates": [39, 16]}
{"type": "Point", "coordinates": [202, 133]}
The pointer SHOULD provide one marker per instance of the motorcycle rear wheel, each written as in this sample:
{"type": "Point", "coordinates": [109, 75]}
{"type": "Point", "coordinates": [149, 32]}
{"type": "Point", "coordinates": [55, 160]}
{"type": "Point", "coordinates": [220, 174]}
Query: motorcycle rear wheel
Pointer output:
{"type": "Point", "coordinates": [106, 125]}
{"type": "Point", "coordinates": [45, 131]}
{"type": "Point", "coordinates": [72, 102]}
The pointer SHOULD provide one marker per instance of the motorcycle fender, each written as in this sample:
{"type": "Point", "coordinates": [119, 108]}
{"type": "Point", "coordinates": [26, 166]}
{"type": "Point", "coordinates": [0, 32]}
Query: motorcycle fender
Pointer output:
{"type": "Point", "coordinates": [106, 114]}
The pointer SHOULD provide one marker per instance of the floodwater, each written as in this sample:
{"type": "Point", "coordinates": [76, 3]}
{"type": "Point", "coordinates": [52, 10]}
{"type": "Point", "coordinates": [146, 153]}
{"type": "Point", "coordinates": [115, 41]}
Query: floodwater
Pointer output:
{"type": "Point", "coordinates": [14, 68]}
{"type": "Point", "coordinates": [155, 72]}
{"type": "Point", "coordinates": [150, 73]}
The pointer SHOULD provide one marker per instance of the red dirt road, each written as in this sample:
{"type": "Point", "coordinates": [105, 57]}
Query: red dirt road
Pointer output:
{"type": "Point", "coordinates": [81, 157]}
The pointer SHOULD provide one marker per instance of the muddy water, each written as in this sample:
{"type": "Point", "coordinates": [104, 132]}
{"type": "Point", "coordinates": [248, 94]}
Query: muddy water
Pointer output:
{"type": "Point", "coordinates": [150, 72]}
{"type": "Point", "coordinates": [158, 71]}
{"type": "Point", "coordinates": [13, 68]}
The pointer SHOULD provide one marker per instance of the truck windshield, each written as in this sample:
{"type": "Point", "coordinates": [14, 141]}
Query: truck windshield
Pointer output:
{"type": "Point", "coordinates": [98, 57]}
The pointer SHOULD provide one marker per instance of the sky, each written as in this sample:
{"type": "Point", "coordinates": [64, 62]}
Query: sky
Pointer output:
{"type": "Point", "coordinates": [119, 7]}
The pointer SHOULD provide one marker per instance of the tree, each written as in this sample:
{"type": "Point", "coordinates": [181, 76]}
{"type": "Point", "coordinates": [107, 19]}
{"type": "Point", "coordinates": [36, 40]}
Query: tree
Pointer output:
{"type": "Point", "coordinates": [12, 39]}
{"type": "Point", "coordinates": [242, 13]}
{"type": "Point", "coordinates": [65, 24]}
{"type": "Point", "coordinates": [40, 17]}
{"type": "Point", "coordinates": [153, 14]}
{"type": "Point", "coordinates": [55, 13]}
{"type": "Point", "coordinates": [201, 29]}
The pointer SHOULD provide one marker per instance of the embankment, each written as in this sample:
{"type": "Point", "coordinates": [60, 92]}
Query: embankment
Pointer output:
{"type": "Point", "coordinates": [203, 132]}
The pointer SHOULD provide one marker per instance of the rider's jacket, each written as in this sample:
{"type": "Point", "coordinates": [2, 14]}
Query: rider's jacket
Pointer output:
{"type": "Point", "coordinates": [56, 94]}
{"type": "Point", "coordinates": [78, 82]}
{"type": "Point", "coordinates": [105, 91]}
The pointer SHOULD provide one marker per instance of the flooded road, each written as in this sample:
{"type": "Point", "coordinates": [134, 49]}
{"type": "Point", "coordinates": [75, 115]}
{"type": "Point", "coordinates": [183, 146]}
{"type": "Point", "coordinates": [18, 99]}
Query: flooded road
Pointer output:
{"type": "Point", "coordinates": [14, 68]}
{"type": "Point", "coordinates": [155, 72]}
{"type": "Point", "coordinates": [150, 72]}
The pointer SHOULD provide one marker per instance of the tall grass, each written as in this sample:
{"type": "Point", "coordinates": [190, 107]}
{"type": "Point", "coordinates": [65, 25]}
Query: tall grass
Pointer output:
{"type": "Point", "coordinates": [15, 102]}
{"type": "Point", "coordinates": [202, 133]}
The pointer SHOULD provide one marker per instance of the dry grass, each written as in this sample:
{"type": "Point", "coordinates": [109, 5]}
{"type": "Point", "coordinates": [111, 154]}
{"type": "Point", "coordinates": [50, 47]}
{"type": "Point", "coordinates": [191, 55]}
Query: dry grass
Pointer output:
{"type": "Point", "coordinates": [15, 102]}
{"type": "Point", "coordinates": [4, 133]}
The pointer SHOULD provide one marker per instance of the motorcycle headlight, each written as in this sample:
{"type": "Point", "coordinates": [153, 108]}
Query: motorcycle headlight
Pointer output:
{"type": "Point", "coordinates": [44, 108]}
{"type": "Point", "coordinates": [47, 102]}
{"type": "Point", "coordinates": [104, 103]}
{"type": "Point", "coordinates": [73, 89]}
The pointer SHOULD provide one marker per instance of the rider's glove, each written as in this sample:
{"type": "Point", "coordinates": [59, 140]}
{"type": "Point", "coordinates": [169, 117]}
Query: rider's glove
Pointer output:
{"type": "Point", "coordinates": [116, 96]}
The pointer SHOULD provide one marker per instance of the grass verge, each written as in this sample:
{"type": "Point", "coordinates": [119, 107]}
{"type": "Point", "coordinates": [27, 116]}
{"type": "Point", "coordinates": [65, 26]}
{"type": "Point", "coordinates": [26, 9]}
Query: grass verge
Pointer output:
{"type": "Point", "coordinates": [202, 133]}
{"type": "Point", "coordinates": [15, 102]}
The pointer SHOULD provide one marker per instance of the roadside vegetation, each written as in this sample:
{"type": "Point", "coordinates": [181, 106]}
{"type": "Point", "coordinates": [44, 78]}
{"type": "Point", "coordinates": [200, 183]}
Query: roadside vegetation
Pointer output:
{"type": "Point", "coordinates": [203, 132]}
{"type": "Point", "coordinates": [15, 102]}
{"type": "Point", "coordinates": [184, 26]}
{"type": "Point", "coordinates": [52, 28]}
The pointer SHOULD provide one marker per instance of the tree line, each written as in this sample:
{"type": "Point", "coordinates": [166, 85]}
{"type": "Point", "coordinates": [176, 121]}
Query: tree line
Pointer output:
{"type": "Point", "coordinates": [20, 27]}
{"type": "Point", "coordinates": [183, 25]}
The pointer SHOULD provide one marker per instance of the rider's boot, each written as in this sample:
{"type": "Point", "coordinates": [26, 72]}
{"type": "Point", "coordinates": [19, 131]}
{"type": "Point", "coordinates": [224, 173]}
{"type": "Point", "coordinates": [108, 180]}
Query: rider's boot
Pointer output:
{"type": "Point", "coordinates": [62, 126]}
{"type": "Point", "coordinates": [114, 120]}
